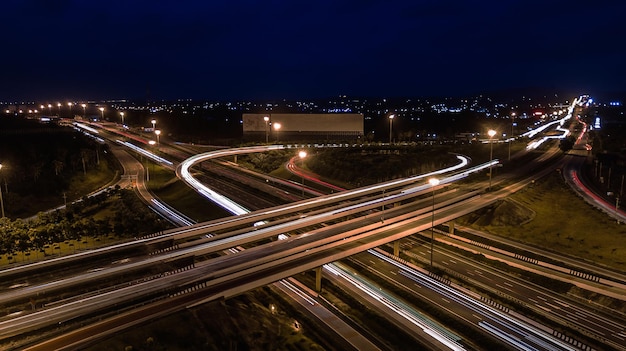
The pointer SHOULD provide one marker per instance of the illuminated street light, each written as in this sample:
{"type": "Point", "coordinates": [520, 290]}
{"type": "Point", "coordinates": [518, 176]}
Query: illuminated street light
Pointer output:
{"type": "Point", "coordinates": [277, 128]}
{"type": "Point", "coordinates": [266, 119]}
{"type": "Point", "coordinates": [433, 183]}
{"type": "Point", "coordinates": [158, 133]}
{"type": "Point", "coordinates": [59, 106]}
{"type": "Point", "coordinates": [84, 113]}
{"type": "Point", "coordinates": [122, 114]}
{"type": "Point", "coordinates": [390, 127]}
{"type": "Point", "coordinates": [69, 104]}
{"type": "Point", "coordinates": [302, 155]}
{"type": "Point", "coordinates": [101, 111]}
{"type": "Point", "coordinates": [50, 109]}
{"type": "Point", "coordinates": [491, 133]}
{"type": "Point", "coordinates": [153, 124]}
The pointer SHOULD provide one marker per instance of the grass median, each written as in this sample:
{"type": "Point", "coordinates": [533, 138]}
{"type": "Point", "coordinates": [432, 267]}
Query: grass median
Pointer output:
{"type": "Point", "coordinates": [171, 190]}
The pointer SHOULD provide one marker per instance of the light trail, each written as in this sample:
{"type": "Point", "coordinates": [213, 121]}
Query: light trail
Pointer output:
{"type": "Point", "coordinates": [528, 331]}
{"type": "Point", "coordinates": [236, 209]}
{"type": "Point", "coordinates": [161, 207]}
{"type": "Point", "coordinates": [565, 132]}
{"type": "Point", "coordinates": [146, 153]}
{"type": "Point", "coordinates": [415, 317]}
{"type": "Point", "coordinates": [428, 326]}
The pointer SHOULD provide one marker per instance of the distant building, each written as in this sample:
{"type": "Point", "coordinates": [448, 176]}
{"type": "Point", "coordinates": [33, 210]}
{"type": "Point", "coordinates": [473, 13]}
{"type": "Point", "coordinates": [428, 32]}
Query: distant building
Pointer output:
{"type": "Point", "coordinates": [299, 126]}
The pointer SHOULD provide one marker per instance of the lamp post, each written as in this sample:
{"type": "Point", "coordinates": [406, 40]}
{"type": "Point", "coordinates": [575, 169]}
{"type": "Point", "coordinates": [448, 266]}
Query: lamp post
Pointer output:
{"type": "Point", "coordinates": [1, 200]}
{"type": "Point", "coordinates": [69, 104]}
{"type": "Point", "coordinates": [302, 155]}
{"type": "Point", "coordinates": [277, 128]}
{"type": "Point", "coordinates": [433, 183]}
{"type": "Point", "coordinates": [101, 112]}
{"type": "Point", "coordinates": [390, 127]}
{"type": "Point", "coordinates": [491, 133]}
{"type": "Point", "coordinates": [84, 113]}
{"type": "Point", "coordinates": [266, 119]}
{"type": "Point", "coordinates": [50, 109]}
{"type": "Point", "coordinates": [122, 115]}
{"type": "Point", "coordinates": [158, 133]}
{"type": "Point", "coordinates": [153, 124]}
{"type": "Point", "coordinates": [151, 142]}
{"type": "Point", "coordinates": [59, 107]}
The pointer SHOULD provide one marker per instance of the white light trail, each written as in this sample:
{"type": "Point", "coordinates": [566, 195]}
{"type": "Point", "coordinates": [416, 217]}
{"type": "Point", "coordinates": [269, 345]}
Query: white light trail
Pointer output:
{"type": "Point", "coordinates": [236, 209]}
{"type": "Point", "coordinates": [146, 153]}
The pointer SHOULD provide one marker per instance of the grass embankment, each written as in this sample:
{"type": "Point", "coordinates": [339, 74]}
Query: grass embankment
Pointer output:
{"type": "Point", "coordinates": [171, 190]}
{"type": "Point", "coordinates": [561, 222]}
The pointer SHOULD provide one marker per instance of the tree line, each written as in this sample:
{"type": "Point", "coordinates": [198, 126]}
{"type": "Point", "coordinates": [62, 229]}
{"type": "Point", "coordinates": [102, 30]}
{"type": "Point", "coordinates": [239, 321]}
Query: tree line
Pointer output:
{"type": "Point", "coordinates": [40, 160]}
{"type": "Point", "coordinates": [115, 212]}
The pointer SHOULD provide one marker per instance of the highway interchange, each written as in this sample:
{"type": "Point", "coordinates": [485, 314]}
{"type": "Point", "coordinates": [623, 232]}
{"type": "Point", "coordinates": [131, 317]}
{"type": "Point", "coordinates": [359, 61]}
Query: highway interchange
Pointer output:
{"type": "Point", "coordinates": [351, 224]}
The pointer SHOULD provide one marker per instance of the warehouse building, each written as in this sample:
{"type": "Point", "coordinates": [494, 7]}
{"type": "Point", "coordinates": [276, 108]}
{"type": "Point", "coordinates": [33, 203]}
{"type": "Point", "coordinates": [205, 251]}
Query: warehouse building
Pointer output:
{"type": "Point", "coordinates": [320, 127]}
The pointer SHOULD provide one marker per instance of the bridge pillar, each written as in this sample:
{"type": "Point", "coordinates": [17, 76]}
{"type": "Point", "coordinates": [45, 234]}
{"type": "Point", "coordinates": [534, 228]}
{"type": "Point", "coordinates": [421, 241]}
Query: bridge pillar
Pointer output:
{"type": "Point", "coordinates": [318, 279]}
{"type": "Point", "coordinates": [451, 227]}
{"type": "Point", "coordinates": [396, 248]}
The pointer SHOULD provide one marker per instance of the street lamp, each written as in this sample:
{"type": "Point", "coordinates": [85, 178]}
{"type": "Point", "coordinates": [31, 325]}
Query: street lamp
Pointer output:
{"type": "Point", "coordinates": [151, 142]}
{"type": "Point", "coordinates": [102, 112]}
{"type": "Point", "coordinates": [266, 119]}
{"type": "Point", "coordinates": [59, 106]}
{"type": "Point", "coordinates": [122, 114]}
{"type": "Point", "coordinates": [390, 127]}
{"type": "Point", "coordinates": [277, 128]}
{"type": "Point", "coordinates": [302, 155]}
{"type": "Point", "coordinates": [84, 113]}
{"type": "Point", "coordinates": [511, 137]}
{"type": "Point", "coordinates": [50, 109]}
{"type": "Point", "coordinates": [153, 124]}
{"type": "Point", "coordinates": [158, 133]}
{"type": "Point", "coordinates": [491, 133]}
{"type": "Point", "coordinates": [433, 183]}
{"type": "Point", "coordinates": [69, 104]}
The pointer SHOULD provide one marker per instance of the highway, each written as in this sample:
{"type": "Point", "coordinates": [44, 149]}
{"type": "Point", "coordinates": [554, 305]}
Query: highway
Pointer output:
{"type": "Point", "coordinates": [575, 313]}
{"type": "Point", "coordinates": [230, 275]}
{"type": "Point", "coordinates": [96, 303]}
{"type": "Point", "coordinates": [461, 303]}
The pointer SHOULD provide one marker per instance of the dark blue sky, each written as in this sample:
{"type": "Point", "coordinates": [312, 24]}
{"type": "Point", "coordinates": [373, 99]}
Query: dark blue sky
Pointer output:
{"type": "Point", "coordinates": [71, 49]}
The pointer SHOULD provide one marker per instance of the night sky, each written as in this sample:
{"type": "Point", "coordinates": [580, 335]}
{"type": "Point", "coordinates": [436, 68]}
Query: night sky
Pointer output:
{"type": "Point", "coordinates": [64, 49]}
